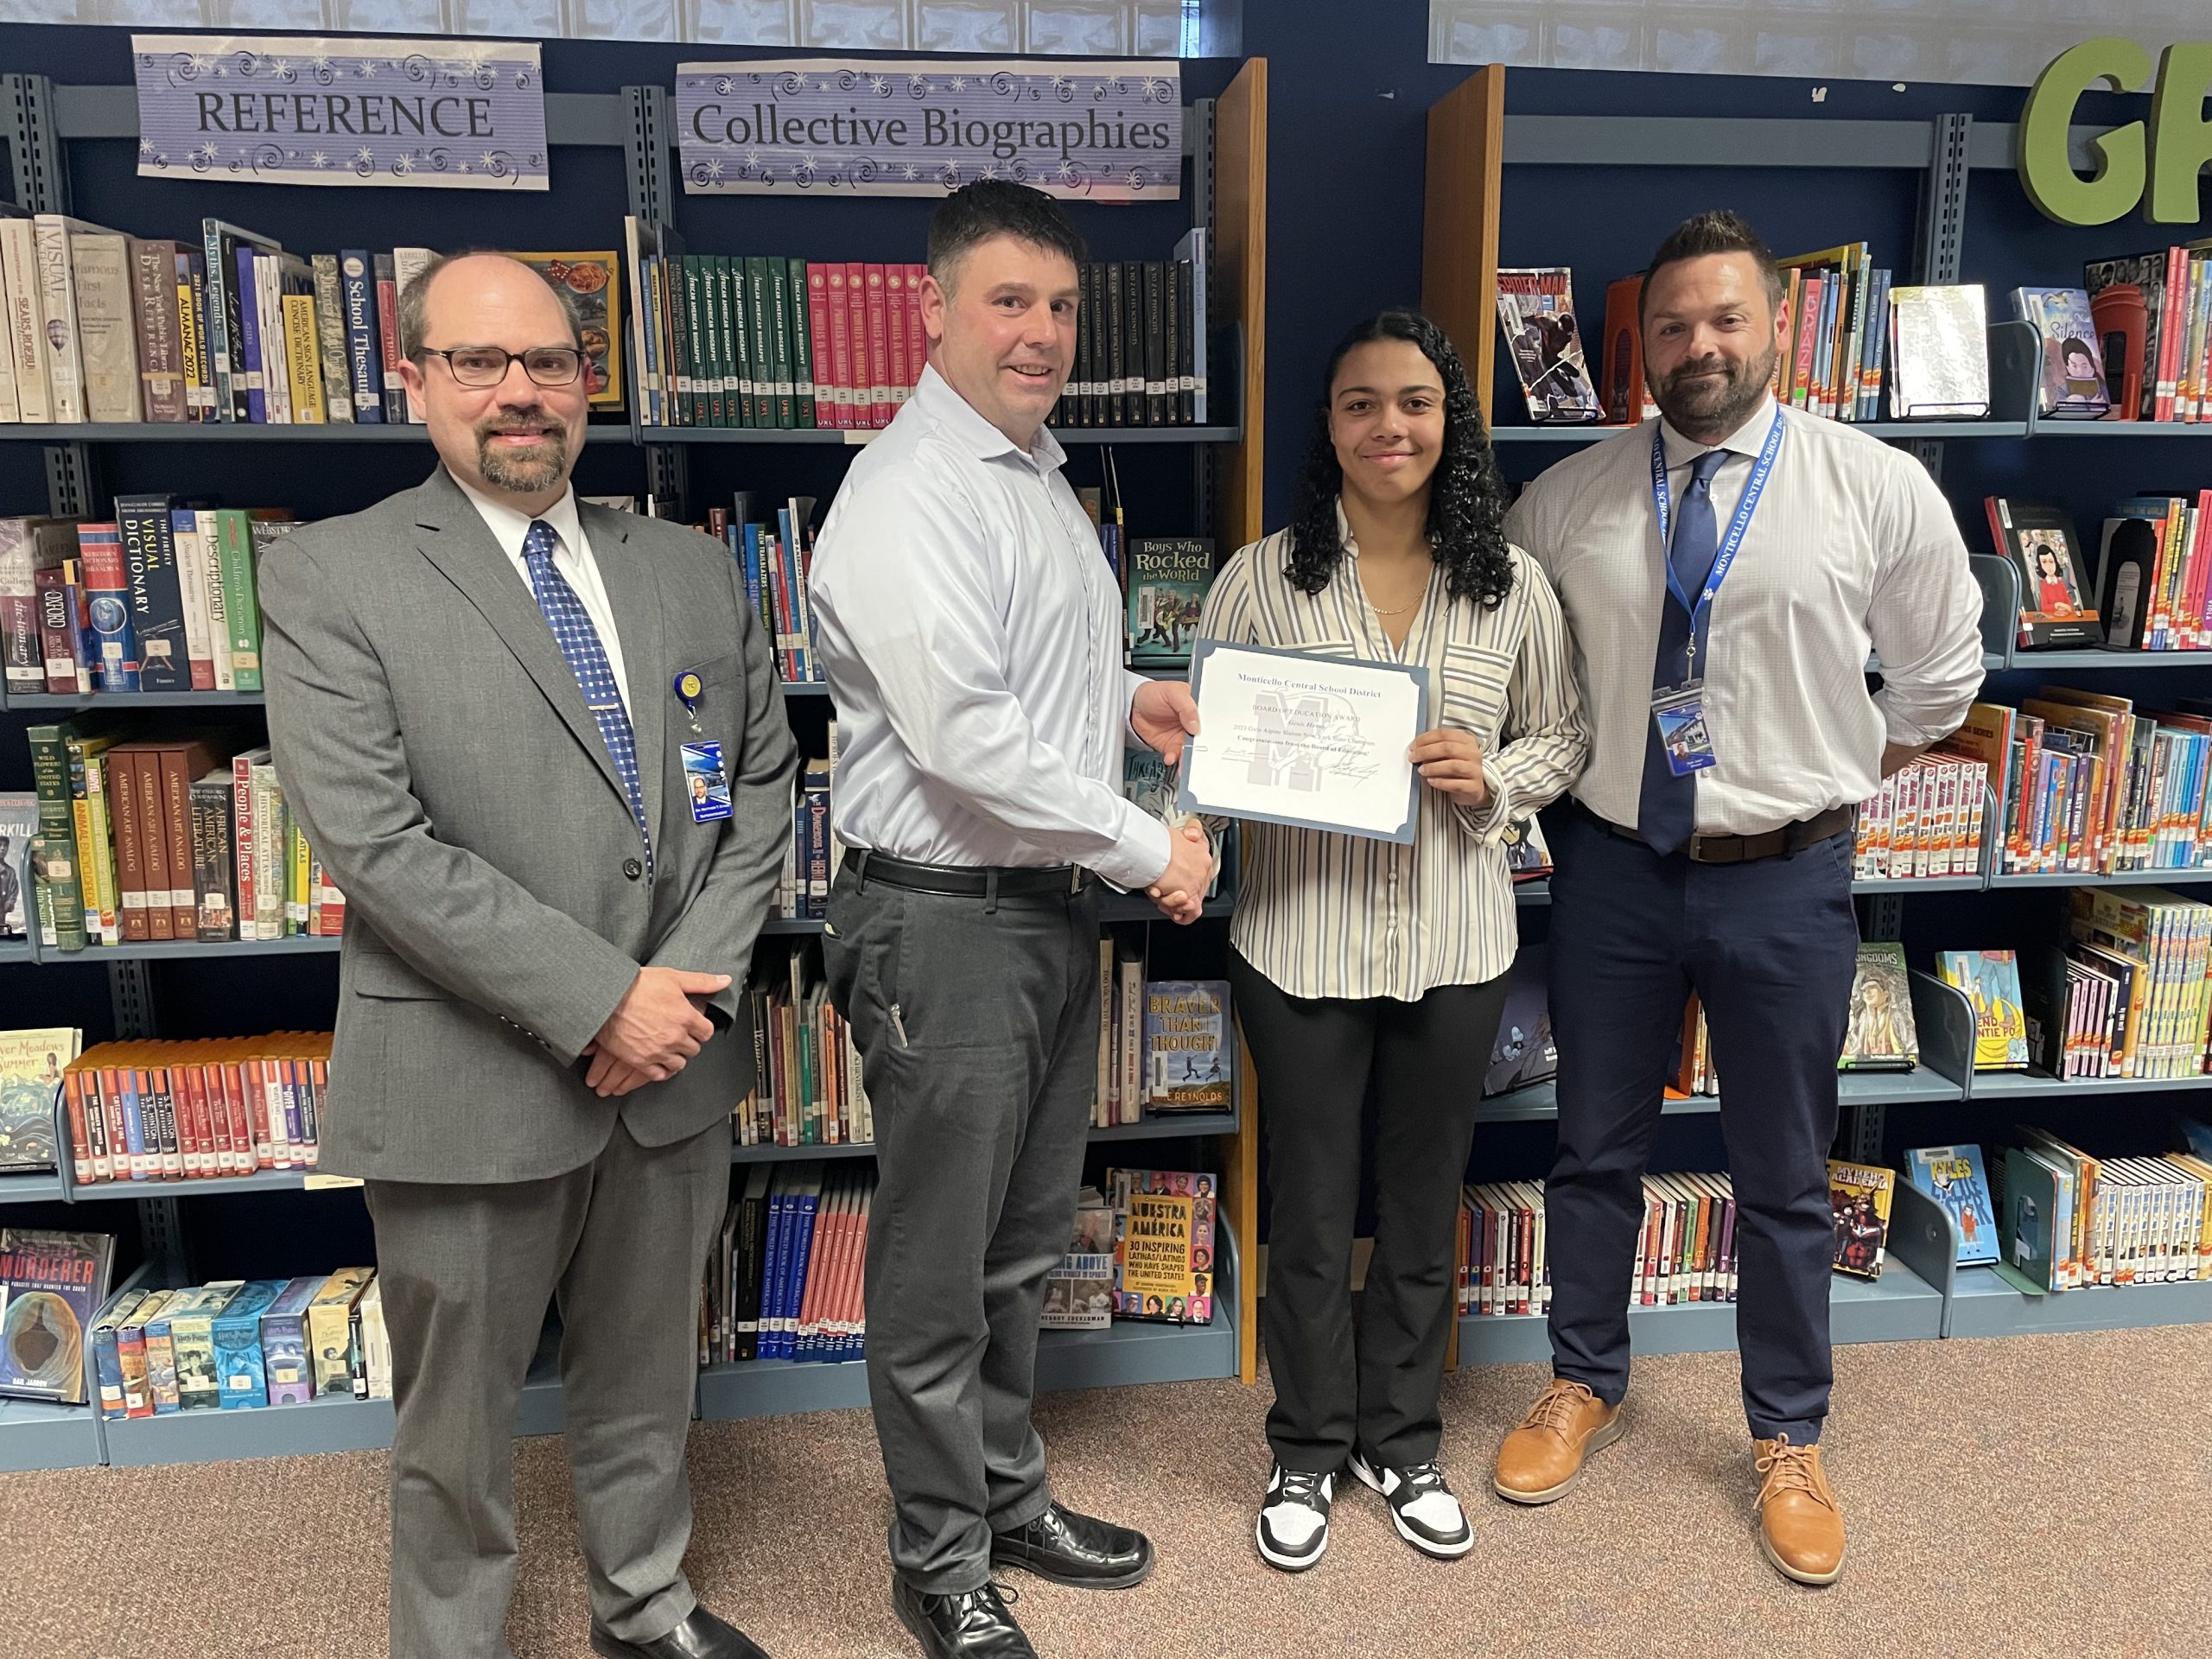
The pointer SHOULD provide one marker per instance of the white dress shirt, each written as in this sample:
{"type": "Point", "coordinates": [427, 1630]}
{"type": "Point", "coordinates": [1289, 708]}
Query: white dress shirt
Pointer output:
{"type": "Point", "coordinates": [571, 557]}
{"type": "Point", "coordinates": [1851, 548]}
{"type": "Point", "coordinates": [1323, 914]}
{"type": "Point", "coordinates": [972, 633]}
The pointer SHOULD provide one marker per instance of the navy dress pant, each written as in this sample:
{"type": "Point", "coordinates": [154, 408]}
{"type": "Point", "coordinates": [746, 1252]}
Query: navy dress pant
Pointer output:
{"type": "Point", "coordinates": [1769, 947]}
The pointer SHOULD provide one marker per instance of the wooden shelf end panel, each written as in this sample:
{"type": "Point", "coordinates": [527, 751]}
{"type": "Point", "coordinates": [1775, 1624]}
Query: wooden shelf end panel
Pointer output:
{"type": "Point", "coordinates": [1240, 263]}
{"type": "Point", "coordinates": [1459, 219]}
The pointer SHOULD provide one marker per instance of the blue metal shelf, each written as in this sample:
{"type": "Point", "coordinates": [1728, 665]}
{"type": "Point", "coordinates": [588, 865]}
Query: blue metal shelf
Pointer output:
{"type": "Point", "coordinates": [1539, 1101]}
{"type": "Point", "coordinates": [1985, 1305]}
{"type": "Point", "coordinates": [40, 1434]}
{"type": "Point", "coordinates": [1163, 1127]}
{"type": "Point", "coordinates": [2118, 878]}
{"type": "Point", "coordinates": [64, 701]}
{"type": "Point", "coordinates": [2029, 1085]}
{"type": "Point", "coordinates": [266, 1180]}
{"type": "Point", "coordinates": [15, 951]}
{"type": "Point", "coordinates": [1895, 431]}
{"type": "Point", "coordinates": [232, 432]}
{"type": "Point", "coordinates": [2098, 661]}
{"type": "Point", "coordinates": [2045, 427]}
{"type": "Point", "coordinates": [34, 1186]}
{"type": "Point", "coordinates": [163, 949]}
{"type": "Point", "coordinates": [1899, 1306]}
{"type": "Point", "coordinates": [1067, 435]}
{"type": "Point", "coordinates": [1919, 883]}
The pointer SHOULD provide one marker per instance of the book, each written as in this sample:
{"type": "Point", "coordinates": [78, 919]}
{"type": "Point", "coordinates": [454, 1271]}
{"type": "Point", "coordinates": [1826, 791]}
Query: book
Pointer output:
{"type": "Point", "coordinates": [1523, 1051]}
{"type": "Point", "coordinates": [1990, 981]}
{"type": "Point", "coordinates": [107, 331]}
{"type": "Point", "coordinates": [18, 824]}
{"type": "Point", "coordinates": [1536, 311]}
{"type": "Point", "coordinates": [63, 359]}
{"type": "Point", "coordinates": [1627, 397]}
{"type": "Point", "coordinates": [1955, 1177]}
{"type": "Point", "coordinates": [1939, 353]}
{"type": "Point", "coordinates": [288, 1375]}
{"type": "Point", "coordinates": [1859, 1195]}
{"type": "Point", "coordinates": [31, 1088]}
{"type": "Point", "coordinates": [1079, 1292]}
{"type": "Point", "coordinates": [592, 282]}
{"type": "Point", "coordinates": [2071, 384]}
{"type": "Point", "coordinates": [1167, 585]}
{"type": "Point", "coordinates": [1879, 1034]}
{"type": "Point", "coordinates": [1188, 1061]}
{"type": "Point", "coordinates": [51, 1287]}
{"type": "Point", "coordinates": [25, 344]}
{"type": "Point", "coordinates": [329, 1318]}
{"type": "Point", "coordinates": [1163, 1244]}
{"type": "Point", "coordinates": [234, 1335]}
{"type": "Point", "coordinates": [2056, 599]}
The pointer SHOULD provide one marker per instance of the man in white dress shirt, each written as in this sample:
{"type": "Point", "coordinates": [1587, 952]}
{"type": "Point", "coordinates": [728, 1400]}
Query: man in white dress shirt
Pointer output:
{"type": "Point", "coordinates": [1722, 597]}
{"type": "Point", "coordinates": [972, 632]}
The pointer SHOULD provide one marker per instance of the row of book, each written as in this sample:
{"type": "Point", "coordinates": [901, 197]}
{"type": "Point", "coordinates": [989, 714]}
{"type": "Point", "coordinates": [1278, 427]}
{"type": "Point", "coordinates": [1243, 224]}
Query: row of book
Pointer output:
{"type": "Point", "coordinates": [2074, 1220]}
{"type": "Point", "coordinates": [2150, 317]}
{"type": "Point", "coordinates": [808, 1090]}
{"type": "Point", "coordinates": [2151, 587]}
{"type": "Point", "coordinates": [788, 1270]}
{"type": "Point", "coordinates": [169, 839]}
{"type": "Point", "coordinates": [1685, 1252]}
{"type": "Point", "coordinates": [160, 598]}
{"type": "Point", "coordinates": [196, 1108]}
{"type": "Point", "coordinates": [778, 342]}
{"type": "Point", "coordinates": [1925, 822]}
{"type": "Point", "coordinates": [239, 1344]}
{"type": "Point", "coordinates": [774, 547]}
{"type": "Point", "coordinates": [2090, 784]}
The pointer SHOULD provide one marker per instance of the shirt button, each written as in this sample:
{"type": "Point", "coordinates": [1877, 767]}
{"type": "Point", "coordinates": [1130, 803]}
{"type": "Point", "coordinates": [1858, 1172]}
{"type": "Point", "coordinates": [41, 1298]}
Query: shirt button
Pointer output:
{"type": "Point", "coordinates": [631, 868]}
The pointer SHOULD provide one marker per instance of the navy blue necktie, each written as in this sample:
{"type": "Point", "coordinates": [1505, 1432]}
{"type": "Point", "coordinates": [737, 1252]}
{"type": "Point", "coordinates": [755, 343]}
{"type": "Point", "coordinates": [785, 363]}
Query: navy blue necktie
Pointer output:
{"type": "Point", "coordinates": [1667, 809]}
{"type": "Point", "coordinates": [580, 643]}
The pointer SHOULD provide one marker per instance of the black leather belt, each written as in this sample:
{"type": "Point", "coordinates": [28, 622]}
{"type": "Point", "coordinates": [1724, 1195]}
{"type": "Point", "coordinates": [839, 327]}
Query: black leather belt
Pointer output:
{"type": "Point", "coordinates": [986, 881]}
{"type": "Point", "coordinates": [1743, 849]}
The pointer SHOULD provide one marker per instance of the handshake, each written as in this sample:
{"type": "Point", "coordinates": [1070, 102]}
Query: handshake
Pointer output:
{"type": "Point", "coordinates": [1180, 891]}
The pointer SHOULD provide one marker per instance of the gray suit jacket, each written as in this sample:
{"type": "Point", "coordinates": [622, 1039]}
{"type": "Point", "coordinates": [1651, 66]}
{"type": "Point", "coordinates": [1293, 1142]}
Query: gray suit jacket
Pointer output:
{"type": "Point", "coordinates": [432, 740]}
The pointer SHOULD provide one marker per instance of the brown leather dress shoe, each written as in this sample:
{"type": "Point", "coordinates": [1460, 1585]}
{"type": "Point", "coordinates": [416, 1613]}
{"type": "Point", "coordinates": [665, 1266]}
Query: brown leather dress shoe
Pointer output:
{"type": "Point", "coordinates": [1540, 1460]}
{"type": "Point", "coordinates": [1799, 1526]}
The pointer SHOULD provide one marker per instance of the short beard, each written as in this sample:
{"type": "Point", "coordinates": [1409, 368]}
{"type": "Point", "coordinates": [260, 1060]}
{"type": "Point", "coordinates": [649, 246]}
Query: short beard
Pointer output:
{"type": "Point", "coordinates": [1709, 413]}
{"type": "Point", "coordinates": [530, 473]}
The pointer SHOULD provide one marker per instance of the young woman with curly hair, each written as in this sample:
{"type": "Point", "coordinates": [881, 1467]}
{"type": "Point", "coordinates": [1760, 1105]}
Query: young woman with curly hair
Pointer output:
{"type": "Point", "coordinates": [1363, 965]}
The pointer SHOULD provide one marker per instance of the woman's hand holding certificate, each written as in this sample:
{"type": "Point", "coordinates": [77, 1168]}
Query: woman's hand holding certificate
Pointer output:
{"type": "Point", "coordinates": [1320, 741]}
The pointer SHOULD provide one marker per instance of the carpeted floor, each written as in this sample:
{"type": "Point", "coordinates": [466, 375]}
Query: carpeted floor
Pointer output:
{"type": "Point", "coordinates": [2039, 1495]}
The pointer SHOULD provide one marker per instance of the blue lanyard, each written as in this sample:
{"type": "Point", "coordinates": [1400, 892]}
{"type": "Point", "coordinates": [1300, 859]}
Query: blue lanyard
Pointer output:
{"type": "Point", "coordinates": [1701, 609]}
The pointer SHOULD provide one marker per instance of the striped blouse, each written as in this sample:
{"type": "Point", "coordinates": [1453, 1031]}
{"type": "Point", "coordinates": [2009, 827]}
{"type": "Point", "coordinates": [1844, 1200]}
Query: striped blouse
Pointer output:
{"type": "Point", "coordinates": [1323, 914]}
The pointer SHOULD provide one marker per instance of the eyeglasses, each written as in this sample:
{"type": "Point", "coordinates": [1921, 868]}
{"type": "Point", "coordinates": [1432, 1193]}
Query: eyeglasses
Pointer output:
{"type": "Point", "coordinates": [487, 365]}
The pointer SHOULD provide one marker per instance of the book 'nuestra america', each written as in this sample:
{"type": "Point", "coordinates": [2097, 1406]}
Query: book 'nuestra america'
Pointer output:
{"type": "Point", "coordinates": [1163, 1244]}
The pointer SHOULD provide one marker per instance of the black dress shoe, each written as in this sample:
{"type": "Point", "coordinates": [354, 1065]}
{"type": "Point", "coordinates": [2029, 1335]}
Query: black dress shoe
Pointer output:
{"type": "Point", "coordinates": [699, 1636]}
{"type": "Point", "coordinates": [974, 1624]}
{"type": "Point", "coordinates": [1075, 1549]}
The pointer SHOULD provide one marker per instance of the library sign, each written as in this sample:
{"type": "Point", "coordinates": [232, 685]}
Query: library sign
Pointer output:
{"type": "Point", "coordinates": [1106, 132]}
{"type": "Point", "coordinates": [2158, 168]}
{"type": "Point", "coordinates": [441, 115]}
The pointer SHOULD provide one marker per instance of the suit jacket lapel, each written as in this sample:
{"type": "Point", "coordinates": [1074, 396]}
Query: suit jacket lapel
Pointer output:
{"type": "Point", "coordinates": [457, 541]}
{"type": "Point", "coordinates": [634, 594]}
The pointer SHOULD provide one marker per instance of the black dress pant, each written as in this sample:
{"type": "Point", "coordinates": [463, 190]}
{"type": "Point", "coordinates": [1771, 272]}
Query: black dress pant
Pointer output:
{"type": "Point", "coordinates": [1769, 947]}
{"type": "Point", "coordinates": [1367, 1381]}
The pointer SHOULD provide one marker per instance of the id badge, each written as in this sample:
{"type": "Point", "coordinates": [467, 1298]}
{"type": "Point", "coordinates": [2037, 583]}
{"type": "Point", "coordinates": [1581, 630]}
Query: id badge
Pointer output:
{"type": "Point", "coordinates": [1680, 711]}
{"type": "Point", "coordinates": [705, 782]}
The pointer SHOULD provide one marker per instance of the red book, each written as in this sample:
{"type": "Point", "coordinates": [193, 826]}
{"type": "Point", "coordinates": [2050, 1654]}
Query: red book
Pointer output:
{"type": "Point", "coordinates": [253, 1150]}
{"type": "Point", "coordinates": [2173, 325]}
{"type": "Point", "coordinates": [242, 840]}
{"type": "Point", "coordinates": [80, 1140]}
{"type": "Point", "coordinates": [388, 332]}
{"type": "Point", "coordinates": [879, 349]}
{"type": "Point", "coordinates": [824, 368]}
{"type": "Point", "coordinates": [841, 347]}
{"type": "Point", "coordinates": [856, 325]}
{"type": "Point", "coordinates": [915, 332]}
{"type": "Point", "coordinates": [57, 643]}
{"type": "Point", "coordinates": [895, 310]}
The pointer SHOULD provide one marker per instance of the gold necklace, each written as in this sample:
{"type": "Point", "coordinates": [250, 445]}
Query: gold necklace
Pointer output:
{"type": "Point", "coordinates": [1399, 610]}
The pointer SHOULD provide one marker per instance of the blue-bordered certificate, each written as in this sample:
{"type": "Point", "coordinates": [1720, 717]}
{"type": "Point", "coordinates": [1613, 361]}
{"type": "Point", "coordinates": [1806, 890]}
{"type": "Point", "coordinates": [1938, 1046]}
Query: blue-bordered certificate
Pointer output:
{"type": "Point", "coordinates": [1295, 737]}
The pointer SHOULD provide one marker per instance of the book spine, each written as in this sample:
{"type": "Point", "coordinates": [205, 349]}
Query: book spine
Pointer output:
{"type": "Point", "coordinates": [1155, 343]}
{"type": "Point", "coordinates": [235, 560]}
{"type": "Point", "coordinates": [192, 586]}
{"type": "Point", "coordinates": [19, 288]}
{"type": "Point", "coordinates": [162, 372]}
{"type": "Point", "coordinates": [730, 359]}
{"type": "Point", "coordinates": [841, 347]}
{"type": "Point", "coordinates": [800, 309]}
{"type": "Point", "coordinates": [57, 631]}
{"type": "Point", "coordinates": [703, 404]}
{"type": "Point", "coordinates": [332, 366]}
{"type": "Point", "coordinates": [57, 299]}
{"type": "Point", "coordinates": [303, 357]}
{"type": "Point", "coordinates": [156, 593]}
{"type": "Point", "coordinates": [385, 281]}
{"type": "Point", "coordinates": [864, 387]}
{"type": "Point", "coordinates": [176, 779]}
{"type": "Point", "coordinates": [218, 263]}
{"type": "Point", "coordinates": [879, 349]}
{"type": "Point", "coordinates": [821, 410]}
{"type": "Point", "coordinates": [57, 829]}
{"type": "Point", "coordinates": [252, 391]}
{"type": "Point", "coordinates": [192, 314]}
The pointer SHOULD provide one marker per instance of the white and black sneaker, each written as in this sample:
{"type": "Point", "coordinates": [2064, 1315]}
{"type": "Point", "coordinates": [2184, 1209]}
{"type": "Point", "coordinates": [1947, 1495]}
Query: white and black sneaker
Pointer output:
{"type": "Point", "coordinates": [1293, 1527]}
{"type": "Point", "coordinates": [1422, 1508]}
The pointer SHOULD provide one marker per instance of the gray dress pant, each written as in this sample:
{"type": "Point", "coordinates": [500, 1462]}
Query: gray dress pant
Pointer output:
{"type": "Point", "coordinates": [468, 1271]}
{"type": "Point", "coordinates": [978, 1031]}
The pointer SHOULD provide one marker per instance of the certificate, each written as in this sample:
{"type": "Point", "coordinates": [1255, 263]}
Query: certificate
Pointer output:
{"type": "Point", "coordinates": [1290, 737]}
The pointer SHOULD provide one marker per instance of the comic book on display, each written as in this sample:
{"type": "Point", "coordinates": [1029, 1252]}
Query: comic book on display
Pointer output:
{"type": "Point", "coordinates": [1079, 1292]}
{"type": "Point", "coordinates": [30, 1080]}
{"type": "Point", "coordinates": [2056, 591]}
{"type": "Point", "coordinates": [51, 1286]}
{"type": "Point", "coordinates": [1990, 981]}
{"type": "Point", "coordinates": [1163, 1244]}
{"type": "Point", "coordinates": [2072, 383]}
{"type": "Point", "coordinates": [1168, 580]}
{"type": "Point", "coordinates": [1880, 1035]}
{"type": "Point", "coordinates": [1955, 1179]}
{"type": "Point", "coordinates": [1536, 310]}
{"type": "Point", "coordinates": [1860, 1196]}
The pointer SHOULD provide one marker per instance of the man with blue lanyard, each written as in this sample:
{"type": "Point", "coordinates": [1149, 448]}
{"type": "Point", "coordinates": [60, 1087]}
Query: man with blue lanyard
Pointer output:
{"type": "Point", "coordinates": [1725, 571]}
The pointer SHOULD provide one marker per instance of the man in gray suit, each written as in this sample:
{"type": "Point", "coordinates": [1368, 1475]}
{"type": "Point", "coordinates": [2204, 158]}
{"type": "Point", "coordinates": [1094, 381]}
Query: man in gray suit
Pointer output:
{"type": "Point", "coordinates": [482, 697]}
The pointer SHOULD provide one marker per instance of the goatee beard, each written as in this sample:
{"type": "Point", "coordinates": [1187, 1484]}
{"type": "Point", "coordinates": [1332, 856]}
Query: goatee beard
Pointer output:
{"type": "Point", "coordinates": [1709, 411]}
{"type": "Point", "coordinates": [530, 472]}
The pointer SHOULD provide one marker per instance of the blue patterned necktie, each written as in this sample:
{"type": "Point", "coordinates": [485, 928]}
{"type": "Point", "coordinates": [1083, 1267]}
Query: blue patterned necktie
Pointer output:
{"type": "Point", "coordinates": [580, 643]}
{"type": "Point", "coordinates": [1667, 811]}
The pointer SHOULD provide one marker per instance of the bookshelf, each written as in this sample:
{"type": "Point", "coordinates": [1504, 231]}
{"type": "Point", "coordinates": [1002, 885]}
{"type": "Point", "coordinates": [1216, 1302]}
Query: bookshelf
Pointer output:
{"type": "Point", "coordinates": [1477, 157]}
{"type": "Point", "coordinates": [1225, 191]}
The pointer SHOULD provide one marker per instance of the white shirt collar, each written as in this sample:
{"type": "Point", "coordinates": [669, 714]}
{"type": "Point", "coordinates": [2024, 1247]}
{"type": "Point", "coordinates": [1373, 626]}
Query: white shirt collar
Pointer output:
{"type": "Point", "coordinates": [1746, 440]}
{"type": "Point", "coordinates": [961, 422]}
{"type": "Point", "coordinates": [511, 528]}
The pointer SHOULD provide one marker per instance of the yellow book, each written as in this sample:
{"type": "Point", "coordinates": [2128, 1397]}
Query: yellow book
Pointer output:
{"type": "Point", "coordinates": [303, 361]}
{"type": "Point", "coordinates": [329, 1337]}
{"type": "Point", "coordinates": [196, 396]}
{"type": "Point", "coordinates": [295, 907]}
